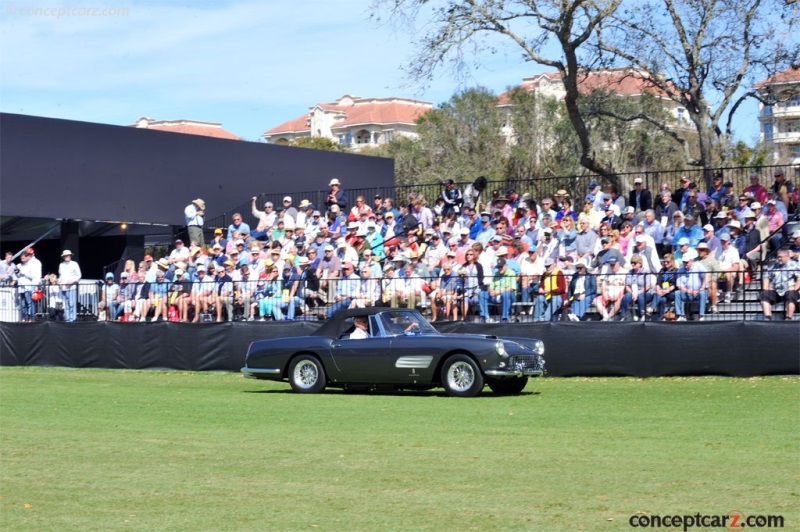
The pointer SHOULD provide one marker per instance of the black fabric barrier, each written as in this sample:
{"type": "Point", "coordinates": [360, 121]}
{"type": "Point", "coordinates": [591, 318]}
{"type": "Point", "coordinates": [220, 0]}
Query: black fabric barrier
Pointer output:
{"type": "Point", "coordinates": [737, 349]}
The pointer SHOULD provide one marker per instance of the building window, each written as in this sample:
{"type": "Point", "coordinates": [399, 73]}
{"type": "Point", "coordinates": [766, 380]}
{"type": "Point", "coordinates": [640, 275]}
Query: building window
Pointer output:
{"type": "Point", "coordinates": [681, 115]}
{"type": "Point", "coordinates": [796, 152]}
{"type": "Point", "coordinates": [794, 101]}
{"type": "Point", "coordinates": [348, 140]}
{"type": "Point", "coordinates": [793, 127]}
{"type": "Point", "coordinates": [376, 138]}
{"type": "Point", "coordinates": [341, 139]}
{"type": "Point", "coordinates": [768, 131]}
{"type": "Point", "coordinates": [363, 136]}
{"type": "Point", "coordinates": [389, 136]}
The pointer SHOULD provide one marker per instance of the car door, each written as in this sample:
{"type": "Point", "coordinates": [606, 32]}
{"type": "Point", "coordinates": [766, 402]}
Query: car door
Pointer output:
{"type": "Point", "coordinates": [412, 357]}
{"type": "Point", "coordinates": [368, 360]}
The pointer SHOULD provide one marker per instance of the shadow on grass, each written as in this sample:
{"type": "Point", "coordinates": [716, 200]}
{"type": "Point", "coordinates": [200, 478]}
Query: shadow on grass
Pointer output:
{"type": "Point", "coordinates": [388, 393]}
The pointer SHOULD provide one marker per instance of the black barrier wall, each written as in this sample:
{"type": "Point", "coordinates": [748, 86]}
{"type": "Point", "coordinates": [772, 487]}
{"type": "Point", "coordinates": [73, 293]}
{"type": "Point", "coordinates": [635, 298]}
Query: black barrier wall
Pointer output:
{"type": "Point", "coordinates": [741, 349]}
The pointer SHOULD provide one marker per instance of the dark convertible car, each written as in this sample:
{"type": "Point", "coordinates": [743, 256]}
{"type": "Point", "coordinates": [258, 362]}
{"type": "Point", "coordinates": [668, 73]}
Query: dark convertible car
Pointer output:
{"type": "Point", "coordinates": [395, 349]}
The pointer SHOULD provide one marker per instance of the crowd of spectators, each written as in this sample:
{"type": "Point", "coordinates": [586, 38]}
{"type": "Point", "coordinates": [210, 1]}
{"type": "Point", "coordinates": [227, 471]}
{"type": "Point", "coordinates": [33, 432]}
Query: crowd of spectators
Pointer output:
{"type": "Point", "coordinates": [664, 255]}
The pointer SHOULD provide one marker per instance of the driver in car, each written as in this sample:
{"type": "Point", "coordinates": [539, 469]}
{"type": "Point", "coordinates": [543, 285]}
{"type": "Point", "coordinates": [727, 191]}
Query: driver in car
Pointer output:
{"type": "Point", "coordinates": [362, 328]}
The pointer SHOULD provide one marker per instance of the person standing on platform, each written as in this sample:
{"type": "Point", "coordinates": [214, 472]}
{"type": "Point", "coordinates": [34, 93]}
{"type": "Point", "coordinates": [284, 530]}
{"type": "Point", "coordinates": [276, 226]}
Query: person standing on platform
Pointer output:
{"type": "Point", "coordinates": [194, 213]}
{"type": "Point", "coordinates": [69, 273]}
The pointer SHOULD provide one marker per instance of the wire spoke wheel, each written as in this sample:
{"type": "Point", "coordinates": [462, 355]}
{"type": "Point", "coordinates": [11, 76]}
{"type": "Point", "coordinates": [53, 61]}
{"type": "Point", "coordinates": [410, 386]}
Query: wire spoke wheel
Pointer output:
{"type": "Point", "coordinates": [461, 376]}
{"type": "Point", "coordinates": [307, 375]}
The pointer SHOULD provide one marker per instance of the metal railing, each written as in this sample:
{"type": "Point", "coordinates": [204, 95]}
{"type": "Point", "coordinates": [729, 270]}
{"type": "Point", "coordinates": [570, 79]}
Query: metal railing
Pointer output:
{"type": "Point", "coordinates": [271, 300]}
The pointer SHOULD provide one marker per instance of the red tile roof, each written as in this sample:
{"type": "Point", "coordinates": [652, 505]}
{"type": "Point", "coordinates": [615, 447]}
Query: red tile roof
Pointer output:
{"type": "Point", "coordinates": [187, 127]}
{"type": "Point", "coordinates": [296, 125]}
{"type": "Point", "coordinates": [790, 75]}
{"type": "Point", "coordinates": [381, 111]}
{"type": "Point", "coordinates": [625, 82]}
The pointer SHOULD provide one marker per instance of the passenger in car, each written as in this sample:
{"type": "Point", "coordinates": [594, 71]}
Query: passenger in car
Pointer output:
{"type": "Point", "coordinates": [362, 328]}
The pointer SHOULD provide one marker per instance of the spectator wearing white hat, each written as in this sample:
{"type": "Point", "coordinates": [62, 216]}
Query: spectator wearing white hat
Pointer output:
{"type": "Point", "coordinates": [288, 209]}
{"type": "Point", "coordinates": [640, 198]}
{"type": "Point", "coordinates": [692, 285]}
{"type": "Point", "coordinates": [775, 221]}
{"type": "Point", "coordinates": [336, 196]}
{"type": "Point", "coordinates": [330, 266]}
{"type": "Point", "coordinates": [69, 273]}
{"type": "Point", "coordinates": [711, 240]}
{"type": "Point", "coordinates": [643, 247]}
{"type": "Point", "coordinates": [109, 297]}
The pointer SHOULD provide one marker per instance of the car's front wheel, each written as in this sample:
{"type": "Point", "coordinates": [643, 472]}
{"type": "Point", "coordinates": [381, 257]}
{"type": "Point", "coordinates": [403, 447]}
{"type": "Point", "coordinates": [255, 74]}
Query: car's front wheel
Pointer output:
{"type": "Point", "coordinates": [461, 376]}
{"type": "Point", "coordinates": [307, 375]}
{"type": "Point", "coordinates": [511, 386]}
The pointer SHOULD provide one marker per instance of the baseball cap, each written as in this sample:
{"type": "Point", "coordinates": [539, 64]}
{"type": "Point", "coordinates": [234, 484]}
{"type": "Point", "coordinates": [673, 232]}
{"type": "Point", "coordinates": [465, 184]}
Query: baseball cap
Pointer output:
{"type": "Point", "coordinates": [708, 227]}
{"type": "Point", "coordinates": [501, 263]}
{"type": "Point", "coordinates": [109, 275]}
{"type": "Point", "coordinates": [683, 242]}
{"type": "Point", "coordinates": [724, 236]}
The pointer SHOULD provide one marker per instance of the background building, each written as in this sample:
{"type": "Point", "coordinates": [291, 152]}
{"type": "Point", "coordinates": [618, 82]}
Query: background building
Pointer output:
{"type": "Point", "coordinates": [625, 82]}
{"type": "Point", "coordinates": [188, 127]}
{"type": "Point", "coordinates": [779, 115]}
{"type": "Point", "coordinates": [354, 122]}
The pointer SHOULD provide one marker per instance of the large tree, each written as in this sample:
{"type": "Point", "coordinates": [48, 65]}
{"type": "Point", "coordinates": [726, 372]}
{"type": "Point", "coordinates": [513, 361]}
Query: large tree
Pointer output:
{"type": "Point", "coordinates": [704, 55]}
{"type": "Point", "coordinates": [459, 31]}
{"type": "Point", "coordinates": [542, 141]}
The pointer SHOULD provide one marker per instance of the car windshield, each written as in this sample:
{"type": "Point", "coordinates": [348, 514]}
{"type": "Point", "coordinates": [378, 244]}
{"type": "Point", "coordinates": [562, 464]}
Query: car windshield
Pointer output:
{"type": "Point", "coordinates": [405, 322]}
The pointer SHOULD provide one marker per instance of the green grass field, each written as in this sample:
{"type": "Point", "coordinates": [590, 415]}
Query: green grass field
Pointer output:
{"type": "Point", "coordinates": [146, 450]}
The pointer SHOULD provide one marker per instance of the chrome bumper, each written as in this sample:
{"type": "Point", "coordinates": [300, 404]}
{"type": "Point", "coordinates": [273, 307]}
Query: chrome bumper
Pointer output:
{"type": "Point", "coordinates": [513, 373]}
{"type": "Point", "coordinates": [252, 373]}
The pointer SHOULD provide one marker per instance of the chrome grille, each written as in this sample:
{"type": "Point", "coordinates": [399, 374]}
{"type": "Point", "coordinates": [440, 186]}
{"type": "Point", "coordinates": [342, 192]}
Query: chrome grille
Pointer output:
{"type": "Point", "coordinates": [525, 363]}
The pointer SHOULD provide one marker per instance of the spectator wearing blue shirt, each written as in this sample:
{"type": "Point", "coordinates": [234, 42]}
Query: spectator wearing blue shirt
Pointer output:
{"type": "Point", "coordinates": [238, 225]}
{"type": "Point", "coordinates": [692, 285]}
{"type": "Point", "coordinates": [688, 230]}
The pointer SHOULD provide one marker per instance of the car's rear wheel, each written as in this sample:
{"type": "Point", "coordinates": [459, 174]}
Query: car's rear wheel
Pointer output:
{"type": "Point", "coordinates": [511, 386]}
{"type": "Point", "coordinates": [461, 376]}
{"type": "Point", "coordinates": [306, 374]}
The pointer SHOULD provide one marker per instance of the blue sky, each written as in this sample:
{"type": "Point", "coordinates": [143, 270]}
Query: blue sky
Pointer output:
{"type": "Point", "coordinates": [249, 65]}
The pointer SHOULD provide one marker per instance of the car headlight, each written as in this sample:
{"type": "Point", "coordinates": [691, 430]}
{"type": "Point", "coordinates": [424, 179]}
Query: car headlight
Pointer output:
{"type": "Point", "coordinates": [538, 347]}
{"type": "Point", "coordinates": [500, 348]}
